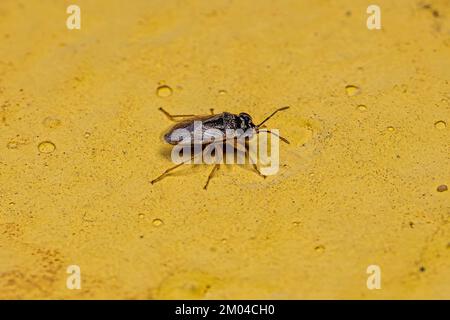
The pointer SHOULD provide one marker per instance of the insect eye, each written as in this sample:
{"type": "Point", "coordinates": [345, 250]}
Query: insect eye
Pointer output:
{"type": "Point", "coordinates": [246, 117]}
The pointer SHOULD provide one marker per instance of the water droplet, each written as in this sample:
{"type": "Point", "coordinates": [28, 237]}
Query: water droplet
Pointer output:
{"type": "Point", "coordinates": [141, 216]}
{"type": "Point", "coordinates": [362, 108]}
{"type": "Point", "coordinates": [296, 223]}
{"type": "Point", "coordinates": [87, 134]}
{"type": "Point", "coordinates": [352, 90]}
{"type": "Point", "coordinates": [46, 147]}
{"type": "Point", "coordinates": [185, 285]}
{"type": "Point", "coordinates": [319, 248]}
{"type": "Point", "coordinates": [51, 123]}
{"type": "Point", "coordinates": [442, 188]}
{"type": "Point", "coordinates": [391, 129]}
{"type": "Point", "coordinates": [222, 92]}
{"type": "Point", "coordinates": [157, 222]}
{"type": "Point", "coordinates": [164, 91]}
{"type": "Point", "coordinates": [440, 125]}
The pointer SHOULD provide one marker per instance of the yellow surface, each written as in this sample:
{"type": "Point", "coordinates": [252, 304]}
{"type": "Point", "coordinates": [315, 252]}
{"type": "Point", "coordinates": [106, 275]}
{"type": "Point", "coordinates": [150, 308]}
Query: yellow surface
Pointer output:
{"type": "Point", "coordinates": [80, 139]}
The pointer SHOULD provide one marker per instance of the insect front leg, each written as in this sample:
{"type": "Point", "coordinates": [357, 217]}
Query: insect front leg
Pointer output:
{"type": "Point", "coordinates": [253, 161]}
{"type": "Point", "coordinates": [174, 117]}
{"type": "Point", "coordinates": [245, 148]}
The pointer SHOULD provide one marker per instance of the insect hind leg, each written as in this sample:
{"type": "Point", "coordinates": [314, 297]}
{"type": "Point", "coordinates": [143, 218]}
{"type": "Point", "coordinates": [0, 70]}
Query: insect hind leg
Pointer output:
{"type": "Point", "coordinates": [211, 175]}
{"type": "Point", "coordinates": [165, 173]}
{"type": "Point", "coordinates": [174, 117]}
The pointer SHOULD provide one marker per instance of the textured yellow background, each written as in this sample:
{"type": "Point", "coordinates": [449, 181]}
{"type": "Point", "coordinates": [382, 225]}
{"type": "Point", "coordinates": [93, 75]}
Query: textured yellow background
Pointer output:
{"type": "Point", "coordinates": [357, 186]}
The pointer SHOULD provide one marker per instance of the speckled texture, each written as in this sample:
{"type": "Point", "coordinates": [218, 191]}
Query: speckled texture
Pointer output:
{"type": "Point", "coordinates": [357, 186]}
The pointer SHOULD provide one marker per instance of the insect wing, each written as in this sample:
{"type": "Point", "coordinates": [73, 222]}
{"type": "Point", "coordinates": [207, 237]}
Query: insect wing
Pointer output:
{"type": "Point", "coordinates": [195, 130]}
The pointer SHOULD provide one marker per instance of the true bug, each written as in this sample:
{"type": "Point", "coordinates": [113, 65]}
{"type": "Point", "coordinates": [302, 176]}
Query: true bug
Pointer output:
{"type": "Point", "coordinates": [222, 122]}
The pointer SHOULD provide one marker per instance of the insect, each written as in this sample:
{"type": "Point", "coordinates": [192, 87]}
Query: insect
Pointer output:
{"type": "Point", "coordinates": [239, 123]}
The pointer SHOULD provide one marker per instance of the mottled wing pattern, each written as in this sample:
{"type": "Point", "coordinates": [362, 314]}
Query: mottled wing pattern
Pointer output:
{"type": "Point", "coordinates": [215, 122]}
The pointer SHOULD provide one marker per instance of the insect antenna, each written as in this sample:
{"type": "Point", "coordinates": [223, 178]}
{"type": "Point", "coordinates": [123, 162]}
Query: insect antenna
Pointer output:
{"type": "Point", "coordinates": [281, 138]}
{"type": "Point", "coordinates": [273, 113]}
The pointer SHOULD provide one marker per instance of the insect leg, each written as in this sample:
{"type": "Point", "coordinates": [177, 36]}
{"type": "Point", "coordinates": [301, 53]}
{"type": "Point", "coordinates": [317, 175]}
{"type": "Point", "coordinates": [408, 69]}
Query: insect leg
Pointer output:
{"type": "Point", "coordinates": [172, 168]}
{"type": "Point", "coordinates": [165, 173]}
{"type": "Point", "coordinates": [213, 171]}
{"type": "Point", "coordinates": [212, 111]}
{"type": "Point", "coordinates": [174, 116]}
{"type": "Point", "coordinates": [250, 156]}
{"type": "Point", "coordinates": [246, 149]}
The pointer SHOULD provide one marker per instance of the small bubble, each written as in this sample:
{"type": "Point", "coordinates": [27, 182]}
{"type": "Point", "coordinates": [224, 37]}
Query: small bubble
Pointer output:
{"type": "Point", "coordinates": [222, 92]}
{"type": "Point", "coordinates": [390, 129]}
{"type": "Point", "coordinates": [440, 125]}
{"type": "Point", "coordinates": [164, 91]}
{"type": "Point", "coordinates": [352, 90]}
{"type": "Point", "coordinates": [157, 222]}
{"type": "Point", "coordinates": [442, 188]}
{"type": "Point", "coordinates": [46, 147]}
{"type": "Point", "coordinates": [319, 248]}
{"type": "Point", "coordinates": [51, 122]}
{"type": "Point", "coordinates": [296, 223]}
{"type": "Point", "coordinates": [141, 216]}
{"type": "Point", "coordinates": [362, 108]}
{"type": "Point", "coordinates": [87, 134]}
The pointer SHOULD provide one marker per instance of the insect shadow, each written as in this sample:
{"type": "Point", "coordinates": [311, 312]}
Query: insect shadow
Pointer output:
{"type": "Point", "coordinates": [224, 121]}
